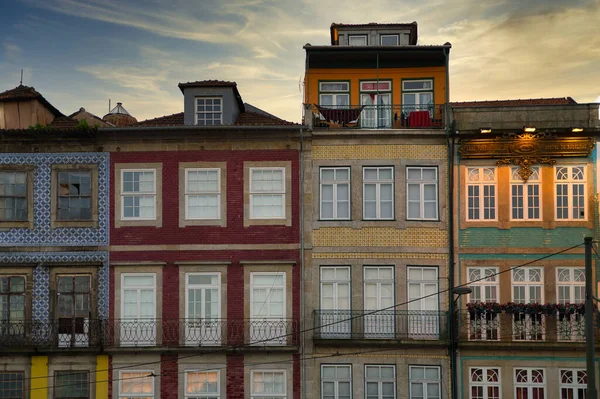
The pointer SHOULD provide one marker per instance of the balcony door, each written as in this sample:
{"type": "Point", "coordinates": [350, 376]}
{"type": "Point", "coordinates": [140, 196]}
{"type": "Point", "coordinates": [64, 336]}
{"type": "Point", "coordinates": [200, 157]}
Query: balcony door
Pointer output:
{"type": "Point", "coordinates": [73, 310]}
{"type": "Point", "coordinates": [335, 302]}
{"type": "Point", "coordinates": [268, 325]}
{"type": "Point", "coordinates": [378, 295]}
{"type": "Point", "coordinates": [423, 314]}
{"type": "Point", "coordinates": [377, 112]}
{"type": "Point", "coordinates": [138, 309]}
{"type": "Point", "coordinates": [203, 309]}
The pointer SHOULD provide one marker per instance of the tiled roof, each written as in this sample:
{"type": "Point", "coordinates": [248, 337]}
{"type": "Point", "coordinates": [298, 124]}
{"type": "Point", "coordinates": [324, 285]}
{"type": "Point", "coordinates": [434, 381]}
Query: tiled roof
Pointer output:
{"type": "Point", "coordinates": [92, 119]}
{"type": "Point", "coordinates": [258, 119]}
{"type": "Point", "coordinates": [63, 122]}
{"type": "Point", "coordinates": [24, 93]}
{"type": "Point", "coordinates": [516, 103]}
{"type": "Point", "coordinates": [207, 83]}
{"type": "Point", "coordinates": [167, 120]}
{"type": "Point", "coordinates": [375, 24]}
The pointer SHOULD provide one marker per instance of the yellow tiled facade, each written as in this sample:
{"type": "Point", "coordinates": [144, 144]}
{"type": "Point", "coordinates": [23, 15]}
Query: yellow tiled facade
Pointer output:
{"type": "Point", "coordinates": [380, 237]}
{"type": "Point", "coordinates": [377, 255]}
{"type": "Point", "coordinates": [399, 151]}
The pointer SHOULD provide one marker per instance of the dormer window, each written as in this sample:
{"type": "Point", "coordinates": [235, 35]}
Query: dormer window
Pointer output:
{"type": "Point", "coordinates": [389, 40]}
{"type": "Point", "coordinates": [209, 111]}
{"type": "Point", "coordinates": [357, 40]}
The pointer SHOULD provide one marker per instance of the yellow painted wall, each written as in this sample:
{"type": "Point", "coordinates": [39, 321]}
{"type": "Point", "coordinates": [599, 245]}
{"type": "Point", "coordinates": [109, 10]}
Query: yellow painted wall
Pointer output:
{"type": "Point", "coordinates": [102, 377]}
{"type": "Point", "coordinates": [313, 76]}
{"type": "Point", "coordinates": [39, 377]}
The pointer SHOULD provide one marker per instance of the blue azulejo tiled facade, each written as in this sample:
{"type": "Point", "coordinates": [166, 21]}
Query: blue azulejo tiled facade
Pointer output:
{"type": "Point", "coordinates": [42, 233]}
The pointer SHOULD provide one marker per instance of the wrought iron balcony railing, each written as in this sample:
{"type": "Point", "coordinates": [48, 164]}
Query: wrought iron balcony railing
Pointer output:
{"type": "Point", "coordinates": [382, 116]}
{"type": "Point", "coordinates": [126, 333]}
{"type": "Point", "coordinates": [521, 327]}
{"type": "Point", "coordinates": [382, 325]}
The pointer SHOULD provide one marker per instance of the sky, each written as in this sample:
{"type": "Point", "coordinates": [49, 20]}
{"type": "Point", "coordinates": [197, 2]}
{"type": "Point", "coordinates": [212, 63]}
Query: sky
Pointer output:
{"type": "Point", "coordinates": [81, 53]}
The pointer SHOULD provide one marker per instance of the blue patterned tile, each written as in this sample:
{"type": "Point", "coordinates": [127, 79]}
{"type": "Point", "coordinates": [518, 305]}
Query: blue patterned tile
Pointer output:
{"type": "Point", "coordinates": [42, 233]}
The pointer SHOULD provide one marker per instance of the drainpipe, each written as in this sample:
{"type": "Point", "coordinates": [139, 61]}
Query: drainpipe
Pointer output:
{"type": "Point", "coordinates": [450, 220]}
{"type": "Point", "coordinates": [302, 277]}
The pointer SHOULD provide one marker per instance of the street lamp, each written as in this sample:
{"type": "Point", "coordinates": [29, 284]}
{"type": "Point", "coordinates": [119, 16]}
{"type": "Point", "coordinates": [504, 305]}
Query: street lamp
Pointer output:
{"type": "Point", "coordinates": [458, 291]}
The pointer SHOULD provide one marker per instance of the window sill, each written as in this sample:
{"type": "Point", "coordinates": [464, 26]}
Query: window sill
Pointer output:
{"type": "Point", "coordinates": [17, 224]}
{"type": "Point", "coordinates": [57, 224]}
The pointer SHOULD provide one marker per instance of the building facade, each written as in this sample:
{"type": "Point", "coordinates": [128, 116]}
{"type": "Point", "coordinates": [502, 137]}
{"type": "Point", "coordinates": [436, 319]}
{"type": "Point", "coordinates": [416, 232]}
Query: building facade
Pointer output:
{"type": "Point", "coordinates": [376, 215]}
{"type": "Point", "coordinates": [525, 177]}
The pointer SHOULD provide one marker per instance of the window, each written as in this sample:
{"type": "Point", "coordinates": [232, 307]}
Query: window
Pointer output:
{"type": "Point", "coordinates": [71, 384]}
{"type": "Point", "coordinates": [73, 310]}
{"type": "Point", "coordinates": [378, 193]}
{"type": "Point", "coordinates": [570, 288]}
{"type": "Point", "coordinates": [12, 385]}
{"type": "Point", "coordinates": [138, 192]}
{"type": "Point", "coordinates": [484, 383]}
{"type": "Point", "coordinates": [138, 309]}
{"type": "Point", "coordinates": [421, 193]}
{"type": "Point", "coordinates": [202, 385]}
{"type": "Point", "coordinates": [13, 196]}
{"type": "Point", "coordinates": [417, 85]}
{"type": "Point", "coordinates": [209, 111]}
{"type": "Point", "coordinates": [268, 305]}
{"type": "Point", "coordinates": [335, 302]}
{"type": "Point", "coordinates": [334, 94]}
{"type": "Point", "coordinates": [484, 283]}
{"type": "Point", "coordinates": [425, 382]}
{"type": "Point", "coordinates": [376, 100]}
{"type": "Point", "coordinates": [379, 295]}
{"type": "Point", "coordinates": [136, 384]}
{"type": "Point", "coordinates": [267, 193]}
{"type": "Point", "coordinates": [573, 384]}
{"type": "Point", "coordinates": [528, 287]}
{"type": "Point", "coordinates": [417, 95]}
{"type": "Point", "coordinates": [525, 195]}
{"type": "Point", "coordinates": [12, 303]}
{"type": "Point", "coordinates": [336, 381]}
{"type": "Point", "coordinates": [74, 195]}
{"type": "Point", "coordinates": [481, 193]}
{"type": "Point", "coordinates": [203, 308]}
{"type": "Point", "coordinates": [202, 193]}
{"type": "Point", "coordinates": [389, 40]}
{"type": "Point", "coordinates": [357, 40]}
{"type": "Point", "coordinates": [268, 384]}
{"type": "Point", "coordinates": [380, 382]}
{"type": "Point", "coordinates": [335, 193]}
{"type": "Point", "coordinates": [530, 383]}
{"type": "Point", "coordinates": [570, 192]}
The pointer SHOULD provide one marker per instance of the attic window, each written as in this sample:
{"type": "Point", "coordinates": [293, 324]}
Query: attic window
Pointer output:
{"type": "Point", "coordinates": [389, 40]}
{"type": "Point", "coordinates": [357, 40]}
{"type": "Point", "coordinates": [209, 111]}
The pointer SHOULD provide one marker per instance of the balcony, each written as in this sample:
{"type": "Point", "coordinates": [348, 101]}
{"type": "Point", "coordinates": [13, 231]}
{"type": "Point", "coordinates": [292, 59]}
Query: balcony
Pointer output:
{"type": "Point", "coordinates": [424, 116]}
{"type": "Point", "coordinates": [150, 333]}
{"type": "Point", "coordinates": [528, 328]}
{"type": "Point", "coordinates": [393, 325]}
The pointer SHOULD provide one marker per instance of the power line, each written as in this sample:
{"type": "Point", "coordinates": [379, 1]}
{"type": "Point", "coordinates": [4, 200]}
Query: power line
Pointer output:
{"type": "Point", "coordinates": [364, 314]}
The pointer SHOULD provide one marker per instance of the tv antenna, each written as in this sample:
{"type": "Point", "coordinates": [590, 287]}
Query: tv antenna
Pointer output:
{"type": "Point", "coordinates": [21, 82]}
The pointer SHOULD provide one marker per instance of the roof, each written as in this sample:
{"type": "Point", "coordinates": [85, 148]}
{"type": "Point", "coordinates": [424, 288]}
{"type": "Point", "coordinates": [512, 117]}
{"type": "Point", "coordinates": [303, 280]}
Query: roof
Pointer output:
{"type": "Point", "coordinates": [119, 109]}
{"type": "Point", "coordinates": [247, 118]}
{"type": "Point", "coordinates": [26, 93]}
{"type": "Point", "coordinates": [412, 26]}
{"type": "Point", "coordinates": [215, 83]}
{"type": "Point", "coordinates": [92, 119]}
{"type": "Point", "coordinates": [516, 103]}
{"type": "Point", "coordinates": [63, 122]}
{"type": "Point", "coordinates": [167, 120]}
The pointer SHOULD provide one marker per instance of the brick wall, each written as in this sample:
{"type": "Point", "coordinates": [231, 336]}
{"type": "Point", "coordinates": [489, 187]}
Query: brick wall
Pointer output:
{"type": "Point", "coordinates": [169, 377]}
{"type": "Point", "coordinates": [235, 376]}
{"type": "Point", "coordinates": [170, 300]}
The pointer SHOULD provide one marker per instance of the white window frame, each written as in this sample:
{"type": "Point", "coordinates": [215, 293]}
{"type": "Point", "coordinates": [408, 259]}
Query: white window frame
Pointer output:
{"type": "Point", "coordinates": [482, 184]}
{"type": "Point", "coordinates": [378, 183]}
{"type": "Point", "coordinates": [424, 382]}
{"type": "Point", "coordinates": [404, 89]}
{"type": "Point", "coordinates": [484, 326]}
{"type": "Point", "coordinates": [380, 380]}
{"type": "Point", "coordinates": [138, 287]}
{"type": "Point", "coordinates": [334, 183]}
{"type": "Point", "coordinates": [253, 285]}
{"type": "Point", "coordinates": [528, 283]}
{"type": "Point", "coordinates": [491, 281]}
{"type": "Point", "coordinates": [485, 384]}
{"type": "Point", "coordinates": [334, 91]}
{"type": "Point", "coordinates": [570, 183]}
{"type": "Point", "coordinates": [365, 37]}
{"type": "Point", "coordinates": [336, 381]}
{"type": "Point", "coordinates": [397, 36]}
{"type": "Point", "coordinates": [189, 286]}
{"type": "Point", "coordinates": [529, 386]}
{"type": "Point", "coordinates": [342, 93]}
{"type": "Point", "coordinates": [535, 180]}
{"type": "Point", "coordinates": [135, 395]}
{"type": "Point", "coordinates": [281, 193]}
{"type": "Point", "coordinates": [134, 194]}
{"type": "Point", "coordinates": [203, 395]}
{"type": "Point", "coordinates": [574, 386]}
{"type": "Point", "coordinates": [422, 183]}
{"type": "Point", "coordinates": [196, 112]}
{"type": "Point", "coordinates": [268, 395]}
{"type": "Point", "coordinates": [572, 284]}
{"type": "Point", "coordinates": [216, 194]}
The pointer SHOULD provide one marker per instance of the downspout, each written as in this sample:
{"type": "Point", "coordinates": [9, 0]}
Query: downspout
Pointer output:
{"type": "Point", "coordinates": [450, 220]}
{"type": "Point", "coordinates": [302, 277]}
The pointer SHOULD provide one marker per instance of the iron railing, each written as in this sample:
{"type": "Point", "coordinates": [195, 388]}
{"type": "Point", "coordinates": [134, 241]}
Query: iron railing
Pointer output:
{"type": "Point", "coordinates": [392, 116]}
{"type": "Point", "coordinates": [380, 325]}
{"type": "Point", "coordinates": [124, 333]}
{"type": "Point", "coordinates": [489, 326]}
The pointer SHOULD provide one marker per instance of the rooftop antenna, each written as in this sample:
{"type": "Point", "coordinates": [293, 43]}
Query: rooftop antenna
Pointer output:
{"type": "Point", "coordinates": [21, 82]}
